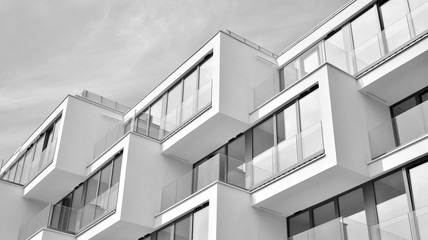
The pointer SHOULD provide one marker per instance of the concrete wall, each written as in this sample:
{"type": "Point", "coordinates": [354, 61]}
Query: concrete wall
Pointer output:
{"type": "Point", "coordinates": [145, 173]}
{"type": "Point", "coordinates": [236, 219]}
{"type": "Point", "coordinates": [15, 210]}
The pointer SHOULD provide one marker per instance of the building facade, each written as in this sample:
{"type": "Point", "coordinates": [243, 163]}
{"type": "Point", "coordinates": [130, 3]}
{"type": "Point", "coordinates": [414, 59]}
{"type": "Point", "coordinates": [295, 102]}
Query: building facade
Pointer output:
{"type": "Point", "coordinates": [325, 140]}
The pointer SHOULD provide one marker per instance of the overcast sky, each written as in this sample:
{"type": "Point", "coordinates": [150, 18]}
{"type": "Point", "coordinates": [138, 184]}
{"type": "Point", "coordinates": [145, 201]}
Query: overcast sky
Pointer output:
{"type": "Point", "coordinates": [121, 49]}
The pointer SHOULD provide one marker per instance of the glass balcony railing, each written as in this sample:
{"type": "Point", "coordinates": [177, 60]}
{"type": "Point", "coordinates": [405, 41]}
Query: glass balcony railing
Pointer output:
{"type": "Point", "coordinates": [385, 42]}
{"type": "Point", "coordinates": [218, 168]}
{"type": "Point", "coordinates": [288, 154]}
{"type": "Point", "coordinates": [411, 226]}
{"type": "Point", "coordinates": [291, 73]}
{"type": "Point", "coordinates": [104, 101]}
{"type": "Point", "coordinates": [336, 229]}
{"type": "Point", "coordinates": [393, 37]}
{"type": "Point", "coordinates": [398, 131]}
{"type": "Point", "coordinates": [185, 110]}
{"type": "Point", "coordinates": [109, 139]}
{"type": "Point", "coordinates": [70, 220]}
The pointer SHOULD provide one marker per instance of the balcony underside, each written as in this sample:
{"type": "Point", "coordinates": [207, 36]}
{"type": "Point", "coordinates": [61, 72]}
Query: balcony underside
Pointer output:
{"type": "Point", "coordinates": [52, 184]}
{"type": "Point", "coordinates": [400, 76]}
{"type": "Point", "coordinates": [203, 139]}
{"type": "Point", "coordinates": [118, 230]}
{"type": "Point", "coordinates": [287, 198]}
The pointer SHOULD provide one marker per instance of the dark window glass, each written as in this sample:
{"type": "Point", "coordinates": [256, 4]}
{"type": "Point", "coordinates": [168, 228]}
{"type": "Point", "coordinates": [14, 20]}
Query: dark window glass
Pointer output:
{"type": "Point", "coordinates": [351, 206]}
{"type": "Point", "coordinates": [182, 229]}
{"type": "Point", "coordinates": [287, 123]}
{"type": "Point", "coordinates": [116, 170]}
{"type": "Point", "coordinates": [309, 110]}
{"type": "Point", "coordinates": [90, 200]}
{"type": "Point", "coordinates": [235, 161]}
{"type": "Point", "coordinates": [103, 193]}
{"type": "Point", "coordinates": [403, 106]}
{"type": "Point", "coordinates": [263, 137]}
{"type": "Point", "coordinates": [155, 119]}
{"type": "Point", "coordinates": [324, 213]}
{"type": "Point", "coordinates": [200, 224]}
{"type": "Point", "coordinates": [164, 234]}
{"type": "Point", "coordinates": [391, 199]}
{"type": "Point", "coordinates": [299, 223]}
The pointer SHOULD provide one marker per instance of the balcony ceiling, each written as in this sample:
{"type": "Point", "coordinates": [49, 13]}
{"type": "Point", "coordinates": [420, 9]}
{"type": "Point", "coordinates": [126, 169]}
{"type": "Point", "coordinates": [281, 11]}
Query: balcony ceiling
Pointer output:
{"type": "Point", "coordinates": [399, 77]}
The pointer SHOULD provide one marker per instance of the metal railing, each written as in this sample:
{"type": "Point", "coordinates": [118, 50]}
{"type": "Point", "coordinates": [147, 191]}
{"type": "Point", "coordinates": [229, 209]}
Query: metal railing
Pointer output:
{"type": "Point", "coordinates": [104, 101]}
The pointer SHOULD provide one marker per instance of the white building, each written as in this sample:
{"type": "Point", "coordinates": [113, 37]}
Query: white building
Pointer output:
{"type": "Point", "coordinates": [326, 140]}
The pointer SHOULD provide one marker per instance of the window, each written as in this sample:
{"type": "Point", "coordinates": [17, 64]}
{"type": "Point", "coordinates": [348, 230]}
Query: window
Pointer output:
{"type": "Point", "coordinates": [91, 200]}
{"type": "Point", "coordinates": [299, 223]}
{"type": "Point", "coordinates": [187, 97]}
{"type": "Point", "coordinates": [193, 226]}
{"type": "Point", "coordinates": [364, 33]}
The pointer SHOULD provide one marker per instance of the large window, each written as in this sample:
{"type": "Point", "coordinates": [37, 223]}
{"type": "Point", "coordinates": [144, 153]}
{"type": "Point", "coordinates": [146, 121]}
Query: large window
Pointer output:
{"type": "Point", "coordinates": [36, 158]}
{"type": "Point", "coordinates": [185, 99]}
{"type": "Point", "coordinates": [290, 137]}
{"type": "Point", "coordinates": [379, 208]}
{"type": "Point", "coordinates": [91, 200]}
{"type": "Point", "coordinates": [193, 226]}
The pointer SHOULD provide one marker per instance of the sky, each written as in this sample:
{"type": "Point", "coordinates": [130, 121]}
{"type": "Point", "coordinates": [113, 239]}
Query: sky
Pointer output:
{"type": "Point", "coordinates": [121, 49]}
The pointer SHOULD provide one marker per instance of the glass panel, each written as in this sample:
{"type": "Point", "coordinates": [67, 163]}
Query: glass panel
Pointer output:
{"type": "Point", "coordinates": [312, 142]}
{"type": "Point", "coordinates": [365, 27]}
{"type": "Point", "coordinates": [391, 202]}
{"type": "Point", "coordinates": [207, 172]}
{"type": "Point", "coordinates": [39, 156]}
{"type": "Point", "coordinates": [309, 110]}
{"type": "Point", "coordinates": [309, 61]}
{"type": "Point", "coordinates": [364, 33]}
{"type": "Point", "coordinates": [289, 75]}
{"type": "Point", "coordinates": [12, 173]}
{"type": "Point", "coordinates": [142, 122]}
{"type": "Point", "coordinates": [351, 207]}
{"type": "Point", "coordinates": [19, 168]}
{"type": "Point", "coordinates": [76, 204]}
{"type": "Point", "coordinates": [164, 234]}
{"type": "Point", "coordinates": [324, 213]}
{"type": "Point", "coordinates": [116, 170]}
{"type": "Point", "coordinates": [392, 10]}
{"type": "Point", "coordinates": [416, 3]}
{"type": "Point", "coordinates": [287, 123]}
{"type": "Point", "coordinates": [29, 157]}
{"type": "Point", "coordinates": [102, 201]}
{"type": "Point", "coordinates": [299, 223]}
{"type": "Point", "coordinates": [200, 224]}
{"type": "Point", "coordinates": [395, 23]}
{"type": "Point", "coordinates": [91, 193]}
{"type": "Point", "coordinates": [182, 229]}
{"type": "Point", "coordinates": [338, 48]}
{"type": "Point", "coordinates": [236, 162]}
{"type": "Point", "coordinates": [420, 17]}
{"type": "Point", "coordinates": [27, 167]}
{"type": "Point", "coordinates": [155, 119]}
{"type": "Point", "coordinates": [190, 87]}
{"type": "Point", "coordinates": [419, 183]}
{"type": "Point", "coordinates": [403, 106]}
{"type": "Point", "coordinates": [410, 125]}
{"type": "Point", "coordinates": [263, 137]}
{"type": "Point", "coordinates": [206, 72]}
{"type": "Point", "coordinates": [172, 119]}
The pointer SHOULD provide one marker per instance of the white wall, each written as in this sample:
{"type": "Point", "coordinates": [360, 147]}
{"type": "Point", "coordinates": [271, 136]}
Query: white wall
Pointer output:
{"type": "Point", "coordinates": [236, 219]}
{"type": "Point", "coordinates": [15, 210]}
{"type": "Point", "coordinates": [146, 172]}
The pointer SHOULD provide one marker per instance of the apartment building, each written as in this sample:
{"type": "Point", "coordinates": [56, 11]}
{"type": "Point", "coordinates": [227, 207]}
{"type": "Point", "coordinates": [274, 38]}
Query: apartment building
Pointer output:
{"type": "Point", "coordinates": [325, 140]}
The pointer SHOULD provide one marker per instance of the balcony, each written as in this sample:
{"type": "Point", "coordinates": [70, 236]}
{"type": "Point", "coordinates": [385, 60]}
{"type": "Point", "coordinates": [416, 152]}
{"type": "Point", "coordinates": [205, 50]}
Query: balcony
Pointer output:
{"type": "Point", "coordinates": [70, 220]}
{"type": "Point", "coordinates": [353, 61]}
{"type": "Point", "coordinates": [218, 168]}
{"type": "Point", "coordinates": [399, 131]}
{"type": "Point", "coordinates": [337, 229]}
{"type": "Point", "coordinates": [411, 226]}
{"type": "Point", "coordinates": [287, 155]}
{"type": "Point", "coordinates": [109, 139]}
{"type": "Point", "coordinates": [104, 101]}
